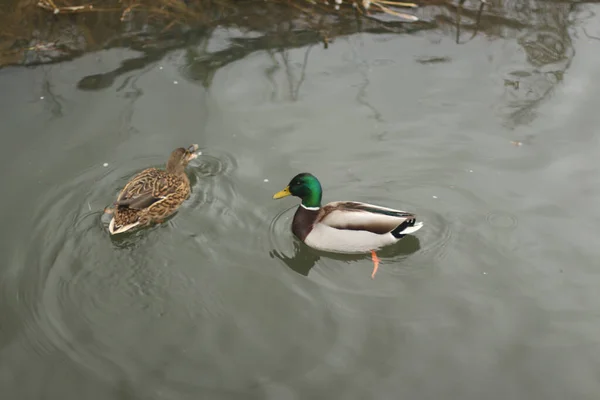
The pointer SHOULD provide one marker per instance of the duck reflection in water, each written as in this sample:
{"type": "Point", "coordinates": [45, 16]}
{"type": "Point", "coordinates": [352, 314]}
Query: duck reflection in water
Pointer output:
{"type": "Point", "coordinates": [305, 258]}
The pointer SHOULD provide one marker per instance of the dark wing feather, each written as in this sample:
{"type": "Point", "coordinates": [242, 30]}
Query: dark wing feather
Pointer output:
{"type": "Point", "coordinates": [138, 203]}
{"type": "Point", "coordinates": [146, 188]}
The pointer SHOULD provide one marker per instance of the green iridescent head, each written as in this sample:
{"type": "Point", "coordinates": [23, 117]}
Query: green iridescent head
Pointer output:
{"type": "Point", "coordinates": [306, 186]}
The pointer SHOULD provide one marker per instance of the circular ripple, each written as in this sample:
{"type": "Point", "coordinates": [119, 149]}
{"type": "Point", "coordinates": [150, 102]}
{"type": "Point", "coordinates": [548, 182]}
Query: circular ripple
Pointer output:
{"type": "Point", "coordinates": [435, 235]}
{"type": "Point", "coordinates": [210, 164]}
{"type": "Point", "coordinates": [70, 256]}
{"type": "Point", "coordinates": [108, 296]}
{"type": "Point", "coordinates": [280, 234]}
{"type": "Point", "coordinates": [502, 220]}
{"type": "Point", "coordinates": [213, 162]}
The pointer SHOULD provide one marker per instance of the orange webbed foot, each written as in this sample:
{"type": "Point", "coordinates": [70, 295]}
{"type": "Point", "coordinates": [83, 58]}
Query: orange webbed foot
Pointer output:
{"type": "Point", "coordinates": [375, 263]}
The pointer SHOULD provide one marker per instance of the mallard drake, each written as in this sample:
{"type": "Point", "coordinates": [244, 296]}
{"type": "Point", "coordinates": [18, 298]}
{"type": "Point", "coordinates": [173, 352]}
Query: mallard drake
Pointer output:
{"type": "Point", "coordinates": [153, 194]}
{"type": "Point", "coordinates": [348, 227]}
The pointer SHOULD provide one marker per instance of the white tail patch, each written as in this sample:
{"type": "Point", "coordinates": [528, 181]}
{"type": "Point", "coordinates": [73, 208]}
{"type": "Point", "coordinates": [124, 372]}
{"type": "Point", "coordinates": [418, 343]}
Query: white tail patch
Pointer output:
{"type": "Point", "coordinates": [111, 227]}
{"type": "Point", "coordinates": [412, 229]}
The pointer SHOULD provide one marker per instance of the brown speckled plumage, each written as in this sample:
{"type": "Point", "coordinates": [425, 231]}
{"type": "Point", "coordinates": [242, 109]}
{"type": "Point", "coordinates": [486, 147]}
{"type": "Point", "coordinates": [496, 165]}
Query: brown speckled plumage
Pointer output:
{"type": "Point", "coordinates": [153, 194]}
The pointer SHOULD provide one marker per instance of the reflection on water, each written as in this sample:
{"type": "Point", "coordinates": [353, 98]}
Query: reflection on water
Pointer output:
{"type": "Point", "coordinates": [494, 298]}
{"type": "Point", "coordinates": [545, 41]}
{"type": "Point", "coordinates": [549, 51]}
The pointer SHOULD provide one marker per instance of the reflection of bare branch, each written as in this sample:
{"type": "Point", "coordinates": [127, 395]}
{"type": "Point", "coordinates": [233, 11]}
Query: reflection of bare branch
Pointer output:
{"type": "Point", "coordinates": [362, 94]}
{"type": "Point", "coordinates": [478, 20]}
{"type": "Point", "coordinates": [541, 28]}
{"type": "Point", "coordinates": [53, 99]}
{"type": "Point", "coordinates": [242, 47]}
{"type": "Point", "coordinates": [133, 95]}
{"type": "Point", "coordinates": [590, 36]}
{"type": "Point", "coordinates": [288, 69]}
{"type": "Point", "coordinates": [361, 97]}
{"type": "Point", "coordinates": [303, 72]}
{"type": "Point", "coordinates": [288, 72]}
{"type": "Point", "coordinates": [270, 73]}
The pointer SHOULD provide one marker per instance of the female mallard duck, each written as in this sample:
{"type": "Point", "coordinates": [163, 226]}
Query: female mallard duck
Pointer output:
{"type": "Point", "coordinates": [153, 194]}
{"type": "Point", "coordinates": [344, 226]}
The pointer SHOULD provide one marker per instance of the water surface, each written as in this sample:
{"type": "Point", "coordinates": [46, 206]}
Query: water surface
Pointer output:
{"type": "Point", "coordinates": [493, 142]}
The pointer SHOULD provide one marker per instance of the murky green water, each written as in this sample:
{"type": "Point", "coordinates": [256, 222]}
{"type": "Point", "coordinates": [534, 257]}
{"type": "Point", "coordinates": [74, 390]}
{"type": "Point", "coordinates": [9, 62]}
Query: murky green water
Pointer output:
{"type": "Point", "coordinates": [495, 298]}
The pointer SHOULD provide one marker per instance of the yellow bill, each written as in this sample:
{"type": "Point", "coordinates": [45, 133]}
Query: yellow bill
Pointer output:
{"type": "Point", "coordinates": [283, 193]}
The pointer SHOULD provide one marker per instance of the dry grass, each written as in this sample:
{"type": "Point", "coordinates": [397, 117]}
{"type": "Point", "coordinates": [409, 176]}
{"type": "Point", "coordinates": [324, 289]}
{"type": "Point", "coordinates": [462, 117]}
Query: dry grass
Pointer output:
{"type": "Point", "coordinates": [199, 9]}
